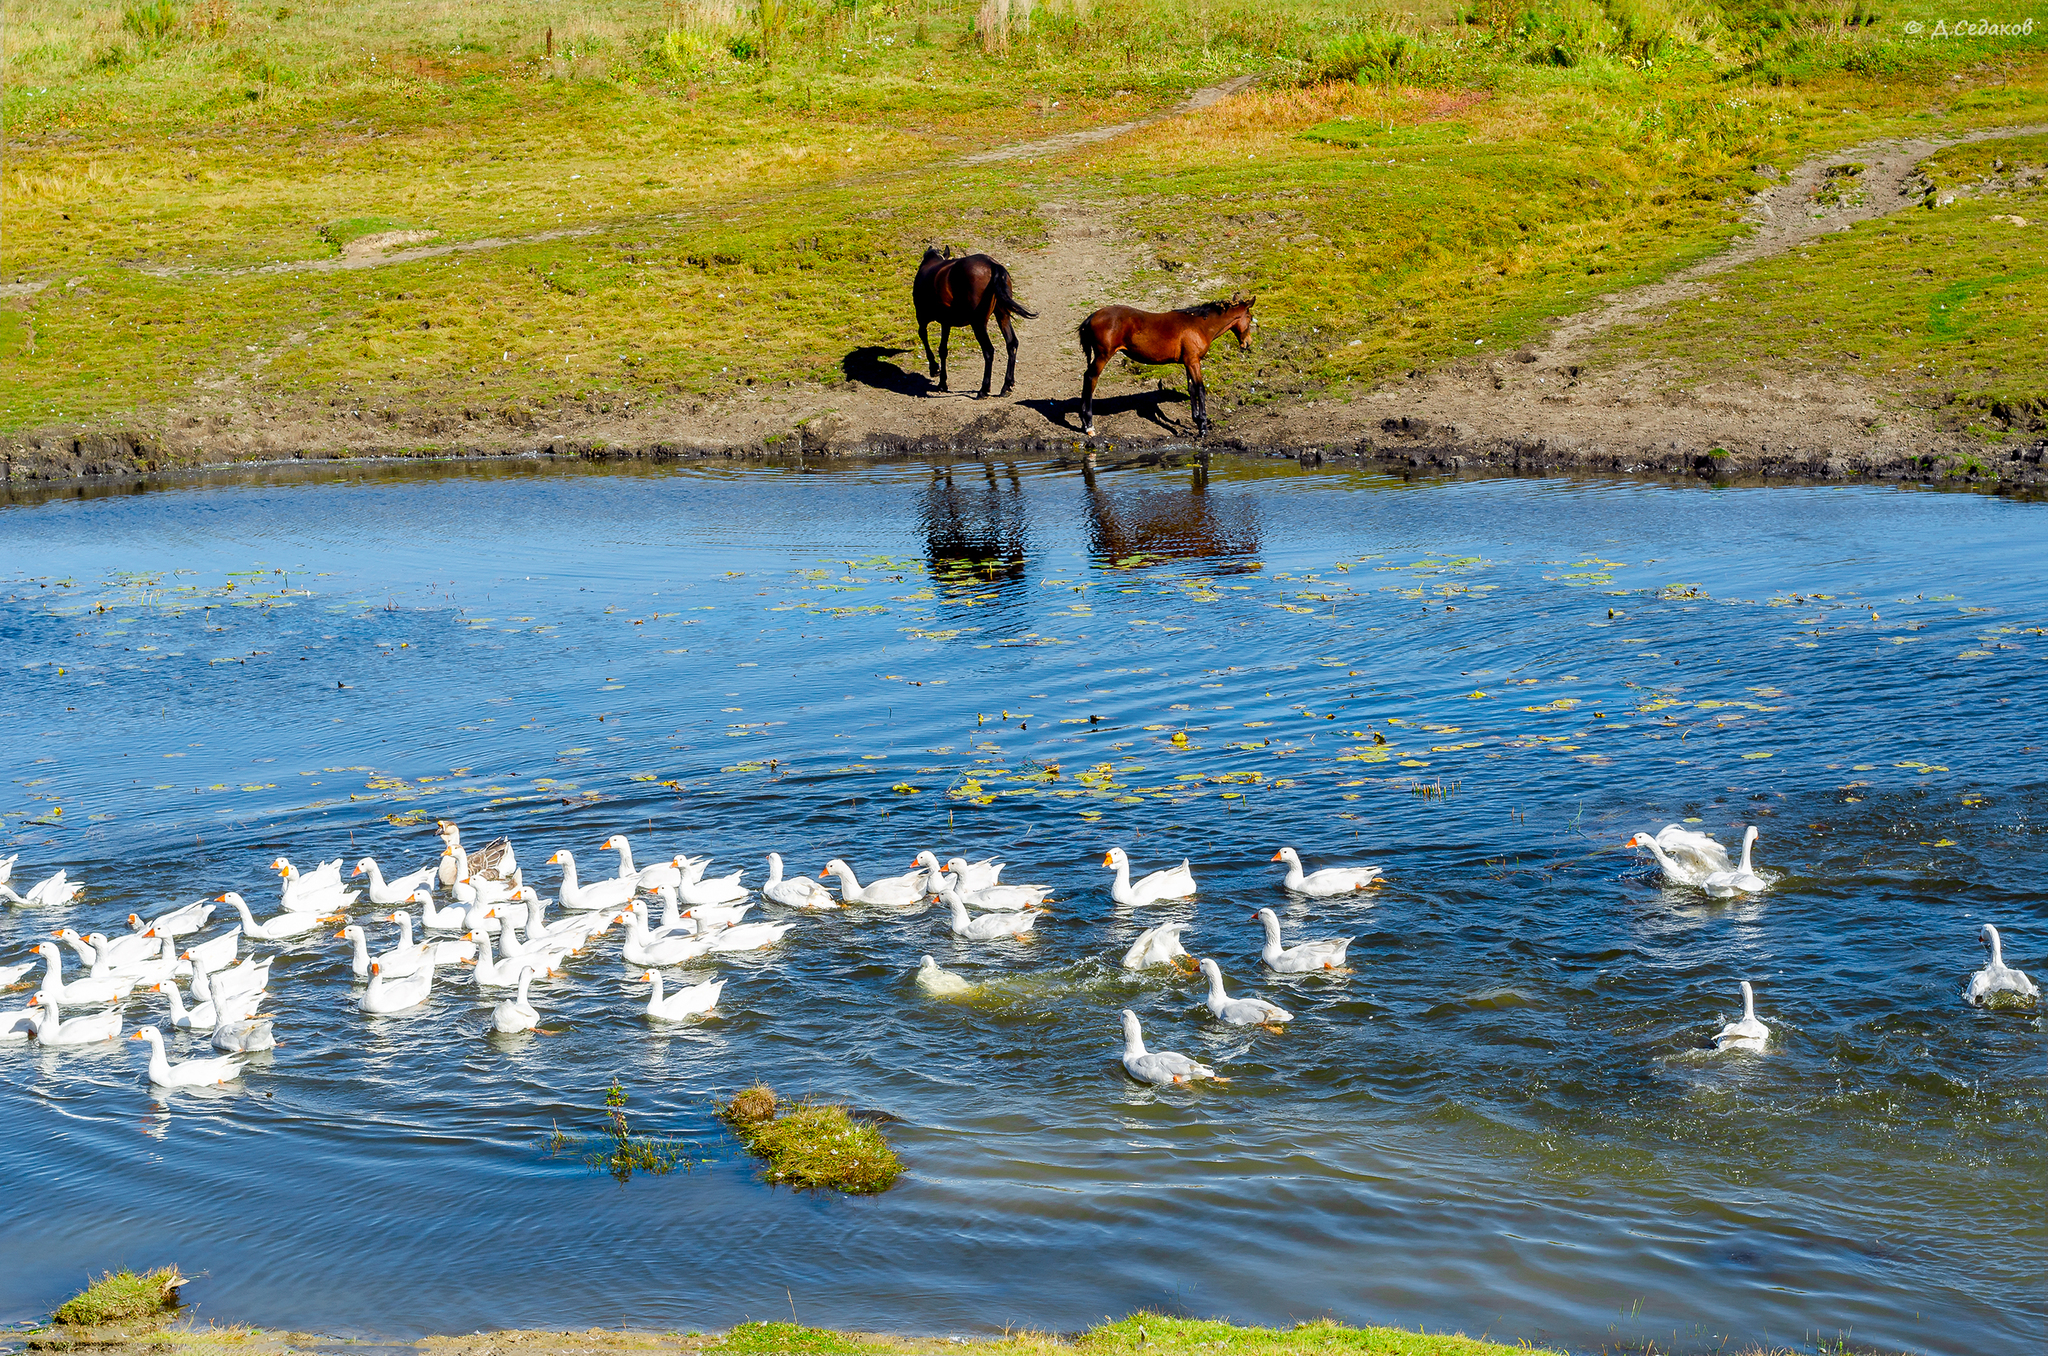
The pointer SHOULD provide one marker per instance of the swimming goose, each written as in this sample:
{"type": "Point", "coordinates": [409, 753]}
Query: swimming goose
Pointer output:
{"type": "Point", "coordinates": [1677, 870]}
{"type": "Point", "coordinates": [573, 932]}
{"type": "Point", "coordinates": [215, 953]}
{"type": "Point", "coordinates": [1240, 1011]}
{"type": "Point", "coordinates": [1174, 883]}
{"type": "Point", "coordinates": [943, 983]}
{"type": "Point", "coordinates": [88, 991]}
{"type": "Point", "coordinates": [177, 922]}
{"type": "Point", "coordinates": [7, 867]}
{"type": "Point", "coordinates": [493, 862]}
{"type": "Point", "coordinates": [794, 892]}
{"type": "Point", "coordinates": [114, 953]}
{"type": "Point", "coordinates": [503, 974]}
{"type": "Point", "coordinates": [185, 1019]}
{"type": "Point", "coordinates": [144, 970]}
{"type": "Point", "coordinates": [693, 889]}
{"type": "Point", "coordinates": [447, 952]}
{"type": "Point", "coordinates": [1747, 1034]}
{"type": "Point", "coordinates": [472, 887]}
{"type": "Point", "coordinates": [1323, 884]}
{"type": "Point", "coordinates": [516, 1014]}
{"type": "Point", "coordinates": [647, 950]}
{"type": "Point", "coordinates": [987, 926]}
{"type": "Point", "coordinates": [10, 975]}
{"type": "Point", "coordinates": [995, 898]}
{"type": "Point", "coordinates": [396, 891]}
{"type": "Point", "coordinates": [20, 1024]}
{"type": "Point", "coordinates": [696, 1000]}
{"type": "Point", "coordinates": [1701, 850]}
{"type": "Point", "coordinates": [1159, 946]}
{"type": "Point", "coordinates": [599, 894]}
{"type": "Point", "coordinates": [1741, 880]}
{"type": "Point", "coordinates": [186, 1073]}
{"type": "Point", "coordinates": [1158, 1066]}
{"type": "Point", "coordinates": [1327, 954]}
{"type": "Point", "coordinates": [454, 918]}
{"type": "Point", "coordinates": [963, 875]}
{"type": "Point", "coordinates": [51, 891]}
{"type": "Point", "coordinates": [1997, 977]}
{"type": "Point", "coordinates": [244, 1037]}
{"type": "Point", "coordinates": [650, 877]}
{"type": "Point", "coordinates": [312, 894]}
{"type": "Point", "coordinates": [894, 891]}
{"type": "Point", "coordinates": [747, 936]}
{"type": "Point", "coordinates": [281, 928]}
{"type": "Point", "coordinates": [386, 996]}
{"type": "Point", "coordinates": [533, 944]}
{"type": "Point", "coordinates": [57, 1029]}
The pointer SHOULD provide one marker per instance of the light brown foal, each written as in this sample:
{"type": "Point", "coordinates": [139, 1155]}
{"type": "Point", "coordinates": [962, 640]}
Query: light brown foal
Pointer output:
{"type": "Point", "coordinates": [1161, 337]}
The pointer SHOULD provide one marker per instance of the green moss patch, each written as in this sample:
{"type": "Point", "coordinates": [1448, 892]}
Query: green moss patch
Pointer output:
{"type": "Point", "coordinates": [123, 1297]}
{"type": "Point", "coordinates": [812, 1145]}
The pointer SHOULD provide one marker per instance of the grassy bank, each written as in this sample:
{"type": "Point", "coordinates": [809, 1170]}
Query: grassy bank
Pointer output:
{"type": "Point", "coordinates": [737, 192]}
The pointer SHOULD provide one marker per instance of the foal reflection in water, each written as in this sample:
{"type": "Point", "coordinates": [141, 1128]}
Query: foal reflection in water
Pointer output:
{"type": "Point", "coordinates": [1161, 337]}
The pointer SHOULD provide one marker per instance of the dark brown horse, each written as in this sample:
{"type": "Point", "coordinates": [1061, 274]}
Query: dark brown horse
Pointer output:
{"type": "Point", "coordinates": [1170, 337]}
{"type": "Point", "coordinates": [967, 291]}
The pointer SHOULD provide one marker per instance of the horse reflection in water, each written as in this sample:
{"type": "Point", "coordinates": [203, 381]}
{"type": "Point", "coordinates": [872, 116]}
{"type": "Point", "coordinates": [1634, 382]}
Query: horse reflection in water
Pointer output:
{"type": "Point", "coordinates": [974, 526]}
{"type": "Point", "coordinates": [1148, 519]}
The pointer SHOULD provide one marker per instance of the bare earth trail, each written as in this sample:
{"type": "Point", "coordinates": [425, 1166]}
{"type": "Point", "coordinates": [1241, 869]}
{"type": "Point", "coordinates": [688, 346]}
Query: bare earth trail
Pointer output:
{"type": "Point", "coordinates": [1532, 412]}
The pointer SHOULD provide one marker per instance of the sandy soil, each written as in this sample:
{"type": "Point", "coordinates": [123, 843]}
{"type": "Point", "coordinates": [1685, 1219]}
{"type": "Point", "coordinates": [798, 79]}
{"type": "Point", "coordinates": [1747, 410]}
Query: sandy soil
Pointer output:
{"type": "Point", "coordinates": [1536, 411]}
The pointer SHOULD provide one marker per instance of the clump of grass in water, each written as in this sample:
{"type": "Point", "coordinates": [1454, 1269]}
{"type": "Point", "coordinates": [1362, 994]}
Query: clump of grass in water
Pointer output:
{"type": "Point", "coordinates": [122, 1296]}
{"type": "Point", "coordinates": [808, 1145]}
{"type": "Point", "coordinates": [621, 1152]}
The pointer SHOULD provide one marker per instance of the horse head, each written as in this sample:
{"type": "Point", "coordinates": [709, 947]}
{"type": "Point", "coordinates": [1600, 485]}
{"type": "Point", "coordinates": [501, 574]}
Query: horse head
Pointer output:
{"type": "Point", "coordinates": [1241, 323]}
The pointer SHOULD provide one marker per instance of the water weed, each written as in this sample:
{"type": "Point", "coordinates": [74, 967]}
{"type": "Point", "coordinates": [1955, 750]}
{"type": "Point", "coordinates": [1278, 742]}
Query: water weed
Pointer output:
{"type": "Point", "coordinates": [123, 1296]}
{"type": "Point", "coordinates": [811, 1145]}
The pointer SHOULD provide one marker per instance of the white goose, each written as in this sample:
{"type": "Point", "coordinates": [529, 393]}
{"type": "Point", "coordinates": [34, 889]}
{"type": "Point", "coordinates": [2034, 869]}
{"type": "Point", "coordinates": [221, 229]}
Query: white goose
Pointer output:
{"type": "Point", "coordinates": [893, 892]}
{"type": "Point", "coordinates": [1158, 1066]}
{"type": "Point", "coordinates": [517, 1013]}
{"type": "Point", "coordinates": [233, 1004]}
{"type": "Point", "coordinates": [649, 877]}
{"type": "Point", "coordinates": [693, 889]}
{"type": "Point", "coordinates": [396, 891]}
{"type": "Point", "coordinates": [386, 996]}
{"type": "Point", "coordinates": [1173, 883]}
{"type": "Point", "coordinates": [454, 918]}
{"type": "Point", "coordinates": [1327, 954]}
{"type": "Point", "coordinates": [472, 888]}
{"type": "Point", "coordinates": [57, 1029]}
{"type": "Point", "coordinates": [573, 932]}
{"type": "Point", "coordinates": [1747, 1034]}
{"type": "Point", "coordinates": [20, 1024]}
{"type": "Point", "coordinates": [88, 991]}
{"type": "Point", "coordinates": [177, 922]}
{"type": "Point", "coordinates": [49, 892]}
{"type": "Point", "coordinates": [600, 894]}
{"type": "Point", "coordinates": [963, 875]}
{"type": "Point", "coordinates": [215, 953]}
{"type": "Point", "coordinates": [244, 1037]}
{"type": "Point", "coordinates": [987, 926]}
{"type": "Point", "coordinates": [703, 917]}
{"type": "Point", "coordinates": [1677, 870]}
{"type": "Point", "coordinates": [533, 944]}
{"type": "Point", "coordinates": [1702, 850]}
{"type": "Point", "coordinates": [1240, 1011]}
{"type": "Point", "coordinates": [992, 897]}
{"type": "Point", "coordinates": [1997, 977]}
{"type": "Point", "coordinates": [444, 952]}
{"type": "Point", "coordinates": [317, 893]}
{"type": "Point", "coordinates": [11, 975]}
{"type": "Point", "coordinates": [1741, 880]}
{"type": "Point", "coordinates": [943, 983]}
{"type": "Point", "coordinates": [7, 867]}
{"type": "Point", "coordinates": [186, 1073]}
{"type": "Point", "coordinates": [794, 892]}
{"type": "Point", "coordinates": [281, 928]}
{"type": "Point", "coordinates": [1159, 946]}
{"type": "Point", "coordinates": [648, 950]}
{"type": "Point", "coordinates": [493, 862]}
{"type": "Point", "coordinates": [185, 1019]}
{"type": "Point", "coordinates": [144, 970]}
{"type": "Point", "coordinates": [503, 974]}
{"type": "Point", "coordinates": [696, 1000]}
{"type": "Point", "coordinates": [747, 936]}
{"type": "Point", "coordinates": [99, 949]}
{"type": "Point", "coordinates": [1326, 883]}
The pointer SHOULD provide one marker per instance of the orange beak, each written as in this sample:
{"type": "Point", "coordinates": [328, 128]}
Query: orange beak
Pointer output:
{"type": "Point", "coordinates": [1108, 859]}
{"type": "Point", "coordinates": [823, 874]}
{"type": "Point", "coordinates": [1276, 857]}
{"type": "Point", "coordinates": [138, 1036]}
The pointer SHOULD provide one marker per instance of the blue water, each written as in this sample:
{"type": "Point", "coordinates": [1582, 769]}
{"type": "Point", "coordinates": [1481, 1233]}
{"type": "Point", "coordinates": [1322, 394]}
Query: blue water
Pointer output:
{"type": "Point", "coordinates": [1507, 1119]}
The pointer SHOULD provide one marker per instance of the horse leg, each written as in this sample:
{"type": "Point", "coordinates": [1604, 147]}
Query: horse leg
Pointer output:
{"type": "Point", "coordinates": [945, 334]}
{"type": "Point", "coordinates": [1198, 395]}
{"type": "Point", "coordinates": [988, 358]}
{"type": "Point", "coordinates": [924, 335]}
{"type": "Point", "coordinates": [1010, 339]}
{"type": "Point", "coordinates": [1088, 379]}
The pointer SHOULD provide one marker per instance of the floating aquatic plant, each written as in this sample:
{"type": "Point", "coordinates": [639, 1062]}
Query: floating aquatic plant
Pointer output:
{"type": "Point", "coordinates": [812, 1145]}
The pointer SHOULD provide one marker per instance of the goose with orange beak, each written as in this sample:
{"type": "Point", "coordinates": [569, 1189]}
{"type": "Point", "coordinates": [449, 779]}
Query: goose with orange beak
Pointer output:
{"type": "Point", "coordinates": [1176, 882]}
{"type": "Point", "coordinates": [186, 1073]}
{"type": "Point", "coordinates": [1326, 883]}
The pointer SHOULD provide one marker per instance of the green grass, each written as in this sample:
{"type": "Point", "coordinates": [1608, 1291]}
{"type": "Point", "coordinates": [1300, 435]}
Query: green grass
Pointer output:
{"type": "Point", "coordinates": [121, 1297]}
{"type": "Point", "coordinates": [1139, 1332]}
{"type": "Point", "coordinates": [1397, 186]}
{"type": "Point", "coordinates": [1944, 306]}
{"type": "Point", "coordinates": [811, 1145]}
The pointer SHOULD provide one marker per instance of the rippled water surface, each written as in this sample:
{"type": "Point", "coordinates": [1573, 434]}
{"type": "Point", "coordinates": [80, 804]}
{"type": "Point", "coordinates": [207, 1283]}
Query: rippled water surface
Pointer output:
{"type": "Point", "coordinates": [1506, 1119]}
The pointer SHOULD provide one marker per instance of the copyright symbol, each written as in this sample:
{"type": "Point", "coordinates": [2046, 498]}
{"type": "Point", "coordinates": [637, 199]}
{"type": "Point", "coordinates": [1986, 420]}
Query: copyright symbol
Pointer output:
{"type": "Point", "coordinates": [1913, 26]}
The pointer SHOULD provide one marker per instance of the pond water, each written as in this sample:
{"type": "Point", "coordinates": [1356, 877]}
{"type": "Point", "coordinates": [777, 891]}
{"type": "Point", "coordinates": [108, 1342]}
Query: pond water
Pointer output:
{"type": "Point", "coordinates": [1506, 1119]}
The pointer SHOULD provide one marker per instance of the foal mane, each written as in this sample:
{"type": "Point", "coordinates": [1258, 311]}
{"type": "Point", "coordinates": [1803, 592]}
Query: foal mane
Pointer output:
{"type": "Point", "coordinates": [1208, 308]}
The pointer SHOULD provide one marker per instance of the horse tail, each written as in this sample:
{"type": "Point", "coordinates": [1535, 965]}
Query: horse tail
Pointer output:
{"type": "Point", "coordinates": [1089, 348]}
{"type": "Point", "coordinates": [1006, 301]}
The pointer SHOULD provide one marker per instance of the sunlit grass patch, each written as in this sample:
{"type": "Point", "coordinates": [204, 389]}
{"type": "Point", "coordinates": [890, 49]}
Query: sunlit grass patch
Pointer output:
{"type": "Point", "coordinates": [811, 1145]}
{"type": "Point", "coordinates": [122, 1297]}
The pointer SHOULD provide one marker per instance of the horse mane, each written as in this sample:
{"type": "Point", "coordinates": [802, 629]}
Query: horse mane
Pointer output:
{"type": "Point", "coordinates": [1207, 309]}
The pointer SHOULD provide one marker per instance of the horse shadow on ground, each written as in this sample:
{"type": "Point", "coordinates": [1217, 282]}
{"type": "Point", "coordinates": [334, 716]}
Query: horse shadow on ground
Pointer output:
{"type": "Point", "coordinates": [870, 366]}
{"type": "Point", "coordinates": [1151, 405]}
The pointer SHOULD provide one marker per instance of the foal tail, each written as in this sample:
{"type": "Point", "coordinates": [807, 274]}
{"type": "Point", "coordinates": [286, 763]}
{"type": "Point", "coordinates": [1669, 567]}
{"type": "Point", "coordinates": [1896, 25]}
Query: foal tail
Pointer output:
{"type": "Point", "coordinates": [1005, 301]}
{"type": "Point", "coordinates": [1089, 347]}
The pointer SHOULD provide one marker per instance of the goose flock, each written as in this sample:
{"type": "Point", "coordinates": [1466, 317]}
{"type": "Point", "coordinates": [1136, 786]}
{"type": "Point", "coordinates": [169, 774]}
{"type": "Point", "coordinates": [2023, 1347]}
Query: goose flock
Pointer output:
{"type": "Point", "coordinates": [496, 932]}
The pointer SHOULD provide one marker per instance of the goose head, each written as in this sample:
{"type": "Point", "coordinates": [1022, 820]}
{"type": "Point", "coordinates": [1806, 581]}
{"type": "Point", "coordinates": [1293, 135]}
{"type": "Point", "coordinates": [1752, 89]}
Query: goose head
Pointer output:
{"type": "Point", "coordinates": [1987, 937]}
{"type": "Point", "coordinates": [613, 844]}
{"type": "Point", "coordinates": [1271, 922]}
{"type": "Point", "coordinates": [1213, 971]}
{"type": "Point", "coordinates": [150, 1034]}
{"type": "Point", "coordinates": [424, 898]}
{"type": "Point", "coordinates": [233, 900]}
{"type": "Point", "coordinates": [927, 859]}
{"type": "Point", "coordinates": [927, 963]}
{"type": "Point", "coordinates": [364, 865]}
{"type": "Point", "coordinates": [1288, 855]}
{"type": "Point", "coordinates": [561, 855]}
{"type": "Point", "coordinates": [1748, 1002]}
{"type": "Point", "coordinates": [1134, 1035]}
{"type": "Point", "coordinates": [1113, 859]}
{"type": "Point", "coordinates": [835, 867]}
{"type": "Point", "coordinates": [447, 832]}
